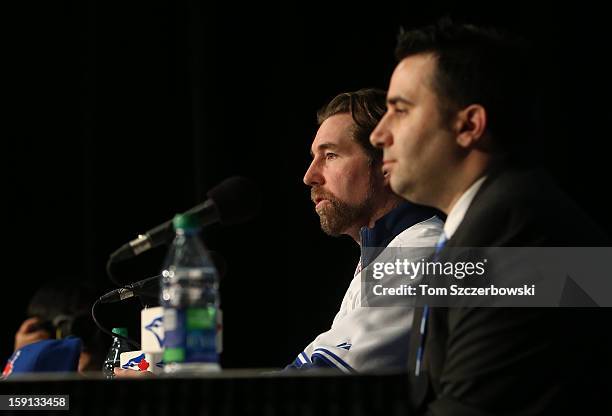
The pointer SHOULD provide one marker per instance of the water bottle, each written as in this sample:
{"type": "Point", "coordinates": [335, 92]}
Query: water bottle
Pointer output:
{"type": "Point", "coordinates": [114, 353]}
{"type": "Point", "coordinates": [189, 293]}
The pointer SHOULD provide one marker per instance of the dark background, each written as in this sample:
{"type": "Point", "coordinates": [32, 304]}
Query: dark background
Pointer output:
{"type": "Point", "coordinates": [123, 113]}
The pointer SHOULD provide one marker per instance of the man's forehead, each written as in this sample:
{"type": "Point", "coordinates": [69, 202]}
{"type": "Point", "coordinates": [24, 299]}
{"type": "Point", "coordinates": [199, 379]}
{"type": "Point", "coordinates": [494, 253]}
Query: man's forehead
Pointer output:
{"type": "Point", "coordinates": [334, 132]}
{"type": "Point", "coordinates": [411, 76]}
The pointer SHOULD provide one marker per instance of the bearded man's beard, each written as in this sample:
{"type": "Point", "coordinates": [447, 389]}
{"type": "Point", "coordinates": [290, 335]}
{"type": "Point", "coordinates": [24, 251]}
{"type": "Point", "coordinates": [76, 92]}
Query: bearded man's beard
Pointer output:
{"type": "Point", "coordinates": [337, 216]}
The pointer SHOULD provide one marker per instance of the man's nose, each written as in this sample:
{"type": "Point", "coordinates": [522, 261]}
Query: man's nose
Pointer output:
{"type": "Point", "coordinates": [381, 136]}
{"type": "Point", "coordinates": [313, 175]}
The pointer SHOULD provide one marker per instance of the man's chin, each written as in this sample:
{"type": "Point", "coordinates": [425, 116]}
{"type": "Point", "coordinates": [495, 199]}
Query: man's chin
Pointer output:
{"type": "Point", "coordinates": [401, 187]}
{"type": "Point", "coordinates": [331, 228]}
{"type": "Point", "coordinates": [339, 220]}
{"type": "Point", "coordinates": [331, 233]}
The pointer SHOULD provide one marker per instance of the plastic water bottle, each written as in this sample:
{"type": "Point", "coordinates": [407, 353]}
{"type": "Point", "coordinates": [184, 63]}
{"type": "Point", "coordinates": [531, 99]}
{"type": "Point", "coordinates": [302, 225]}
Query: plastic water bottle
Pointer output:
{"type": "Point", "coordinates": [190, 297]}
{"type": "Point", "coordinates": [114, 353]}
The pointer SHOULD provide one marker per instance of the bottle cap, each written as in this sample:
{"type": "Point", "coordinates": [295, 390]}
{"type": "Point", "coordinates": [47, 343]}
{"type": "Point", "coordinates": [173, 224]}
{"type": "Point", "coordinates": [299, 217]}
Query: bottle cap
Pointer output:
{"type": "Point", "coordinates": [186, 222]}
{"type": "Point", "coordinates": [120, 331]}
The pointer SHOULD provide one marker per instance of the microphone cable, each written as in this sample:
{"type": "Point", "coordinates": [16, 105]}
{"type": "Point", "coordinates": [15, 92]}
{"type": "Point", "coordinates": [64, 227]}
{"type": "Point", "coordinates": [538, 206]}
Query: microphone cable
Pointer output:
{"type": "Point", "coordinates": [106, 331]}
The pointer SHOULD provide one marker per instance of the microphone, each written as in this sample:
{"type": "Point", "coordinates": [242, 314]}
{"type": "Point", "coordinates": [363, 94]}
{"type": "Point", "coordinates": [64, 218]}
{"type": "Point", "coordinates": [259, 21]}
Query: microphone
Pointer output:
{"type": "Point", "coordinates": [136, 288]}
{"type": "Point", "coordinates": [127, 291]}
{"type": "Point", "coordinates": [233, 201]}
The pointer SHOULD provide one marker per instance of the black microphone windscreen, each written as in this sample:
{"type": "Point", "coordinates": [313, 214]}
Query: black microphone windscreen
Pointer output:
{"type": "Point", "coordinates": [238, 199]}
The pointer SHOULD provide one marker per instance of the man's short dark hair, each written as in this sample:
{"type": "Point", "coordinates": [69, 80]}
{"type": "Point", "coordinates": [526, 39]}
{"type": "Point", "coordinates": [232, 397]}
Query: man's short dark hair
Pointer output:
{"type": "Point", "coordinates": [477, 65]}
{"type": "Point", "coordinates": [366, 106]}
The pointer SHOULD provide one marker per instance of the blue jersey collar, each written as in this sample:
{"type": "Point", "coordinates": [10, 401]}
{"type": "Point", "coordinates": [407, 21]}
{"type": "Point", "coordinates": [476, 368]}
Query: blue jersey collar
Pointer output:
{"type": "Point", "coordinates": [390, 226]}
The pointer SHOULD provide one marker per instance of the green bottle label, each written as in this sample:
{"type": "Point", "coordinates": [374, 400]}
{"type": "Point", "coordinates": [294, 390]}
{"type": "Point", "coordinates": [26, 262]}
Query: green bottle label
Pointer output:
{"type": "Point", "coordinates": [174, 355]}
{"type": "Point", "coordinates": [201, 318]}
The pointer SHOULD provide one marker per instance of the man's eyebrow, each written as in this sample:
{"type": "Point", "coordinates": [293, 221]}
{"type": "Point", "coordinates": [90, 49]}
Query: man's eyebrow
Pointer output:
{"type": "Point", "coordinates": [325, 146]}
{"type": "Point", "coordinates": [399, 99]}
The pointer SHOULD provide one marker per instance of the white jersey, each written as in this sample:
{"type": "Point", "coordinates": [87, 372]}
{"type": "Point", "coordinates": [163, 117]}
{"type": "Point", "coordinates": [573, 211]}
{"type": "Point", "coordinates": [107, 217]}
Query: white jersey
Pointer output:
{"type": "Point", "coordinates": [371, 338]}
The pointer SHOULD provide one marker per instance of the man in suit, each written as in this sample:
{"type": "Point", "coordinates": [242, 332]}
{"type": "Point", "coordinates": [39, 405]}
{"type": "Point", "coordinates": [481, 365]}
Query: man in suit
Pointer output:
{"type": "Point", "coordinates": [454, 137]}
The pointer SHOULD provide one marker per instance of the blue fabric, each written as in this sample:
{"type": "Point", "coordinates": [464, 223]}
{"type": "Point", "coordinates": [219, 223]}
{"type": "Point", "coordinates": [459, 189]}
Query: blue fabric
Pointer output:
{"type": "Point", "coordinates": [390, 226]}
{"type": "Point", "coordinates": [334, 356]}
{"type": "Point", "coordinates": [50, 355]}
{"type": "Point", "coordinates": [423, 327]}
{"type": "Point", "coordinates": [318, 361]}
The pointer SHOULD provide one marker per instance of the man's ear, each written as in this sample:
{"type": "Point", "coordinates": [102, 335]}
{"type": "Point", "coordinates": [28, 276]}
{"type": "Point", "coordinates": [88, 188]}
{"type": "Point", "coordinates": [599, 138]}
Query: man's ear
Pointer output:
{"type": "Point", "coordinates": [470, 126]}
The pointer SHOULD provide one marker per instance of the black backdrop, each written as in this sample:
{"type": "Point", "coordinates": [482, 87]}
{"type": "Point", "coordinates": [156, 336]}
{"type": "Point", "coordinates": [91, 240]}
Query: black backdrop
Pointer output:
{"type": "Point", "coordinates": [124, 113]}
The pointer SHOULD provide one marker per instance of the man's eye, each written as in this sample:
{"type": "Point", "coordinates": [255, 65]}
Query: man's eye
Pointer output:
{"type": "Point", "coordinates": [330, 156]}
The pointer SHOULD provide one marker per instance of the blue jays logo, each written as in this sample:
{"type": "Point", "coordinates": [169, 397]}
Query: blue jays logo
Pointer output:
{"type": "Point", "coordinates": [156, 327]}
{"type": "Point", "coordinates": [138, 363]}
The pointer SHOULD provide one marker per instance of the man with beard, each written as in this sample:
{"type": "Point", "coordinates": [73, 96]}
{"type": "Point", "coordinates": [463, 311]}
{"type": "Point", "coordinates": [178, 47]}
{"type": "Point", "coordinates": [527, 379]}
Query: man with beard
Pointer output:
{"type": "Point", "coordinates": [352, 197]}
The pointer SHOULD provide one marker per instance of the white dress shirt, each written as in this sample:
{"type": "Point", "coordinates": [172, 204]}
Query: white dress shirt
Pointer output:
{"type": "Point", "coordinates": [457, 212]}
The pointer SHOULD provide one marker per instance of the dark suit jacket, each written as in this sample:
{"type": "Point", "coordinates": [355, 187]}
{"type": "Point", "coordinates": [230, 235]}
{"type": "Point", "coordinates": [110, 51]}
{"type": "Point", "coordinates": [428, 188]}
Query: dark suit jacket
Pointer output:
{"type": "Point", "coordinates": [519, 361]}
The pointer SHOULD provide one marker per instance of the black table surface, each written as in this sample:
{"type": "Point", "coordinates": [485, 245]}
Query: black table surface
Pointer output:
{"type": "Point", "coordinates": [230, 392]}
